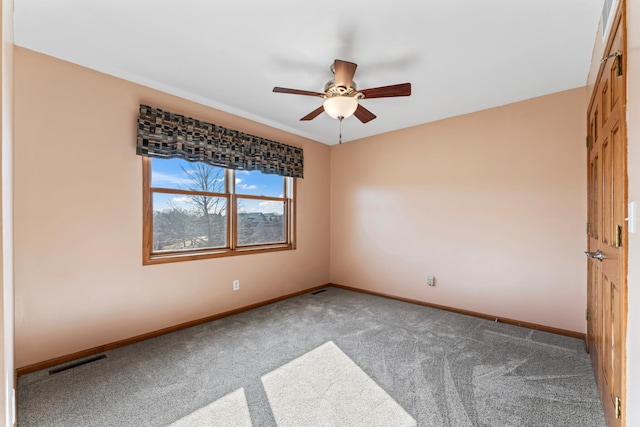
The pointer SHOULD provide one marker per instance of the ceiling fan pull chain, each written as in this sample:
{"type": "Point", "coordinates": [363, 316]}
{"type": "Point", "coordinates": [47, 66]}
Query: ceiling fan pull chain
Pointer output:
{"type": "Point", "coordinates": [340, 138]}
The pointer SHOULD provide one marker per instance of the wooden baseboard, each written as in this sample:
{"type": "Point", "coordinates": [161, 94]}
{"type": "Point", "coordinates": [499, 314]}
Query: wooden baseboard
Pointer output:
{"type": "Point", "coordinates": [529, 325]}
{"type": "Point", "coordinates": [102, 348]}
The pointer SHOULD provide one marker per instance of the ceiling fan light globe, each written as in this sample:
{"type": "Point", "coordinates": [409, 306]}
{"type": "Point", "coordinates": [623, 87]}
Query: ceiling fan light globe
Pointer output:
{"type": "Point", "coordinates": [340, 106]}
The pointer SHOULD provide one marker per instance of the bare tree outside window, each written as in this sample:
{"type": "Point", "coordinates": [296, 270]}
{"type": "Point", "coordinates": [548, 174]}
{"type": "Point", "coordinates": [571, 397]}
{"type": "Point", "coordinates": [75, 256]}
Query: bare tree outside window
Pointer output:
{"type": "Point", "coordinates": [191, 202]}
{"type": "Point", "coordinates": [200, 219]}
{"type": "Point", "coordinates": [209, 224]}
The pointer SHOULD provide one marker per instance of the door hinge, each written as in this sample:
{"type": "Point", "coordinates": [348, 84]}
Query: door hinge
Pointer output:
{"type": "Point", "coordinates": [618, 236]}
{"type": "Point", "coordinates": [588, 316]}
{"type": "Point", "coordinates": [618, 65]}
{"type": "Point", "coordinates": [617, 402]}
{"type": "Point", "coordinates": [588, 141]}
{"type": "Point", "coordinates": [588, 228]}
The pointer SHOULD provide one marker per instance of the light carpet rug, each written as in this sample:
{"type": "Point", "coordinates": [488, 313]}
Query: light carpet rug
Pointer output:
{"type": "Point", "coordinates": [326, 358]}
{"type": "Point", "coordinates": [322, 388]}
{"type": "Point", "coordinates": [326, 388]}
{"type": "Point", "coordinates": [228, 411]}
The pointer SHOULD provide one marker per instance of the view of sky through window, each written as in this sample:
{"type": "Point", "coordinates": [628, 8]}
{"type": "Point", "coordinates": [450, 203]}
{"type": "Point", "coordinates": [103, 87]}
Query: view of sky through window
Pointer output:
{"type": "Point", "coordinates": [183, 175]}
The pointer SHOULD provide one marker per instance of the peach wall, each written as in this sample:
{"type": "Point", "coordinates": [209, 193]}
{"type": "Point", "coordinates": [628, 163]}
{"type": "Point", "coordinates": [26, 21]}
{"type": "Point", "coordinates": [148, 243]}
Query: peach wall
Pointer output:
{"type": "Point", "coordinates": [491, 203]}
{"type": "Point", "coordinates": [79, 279]}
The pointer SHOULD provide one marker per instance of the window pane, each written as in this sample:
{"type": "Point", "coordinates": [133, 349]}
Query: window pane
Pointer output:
{"type": "Point", "coordinates": [182, 175]}
{"type": "Point", "coordinates": [256, 183]}
{"type": "Point", "coordinates": [184, 222]}
{"type": "Point", "coordinates": [260, 222]}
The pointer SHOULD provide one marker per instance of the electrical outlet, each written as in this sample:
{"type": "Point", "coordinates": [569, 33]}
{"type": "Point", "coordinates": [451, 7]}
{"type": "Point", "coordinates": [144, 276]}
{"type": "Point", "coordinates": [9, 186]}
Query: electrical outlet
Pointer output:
{"type": "Point", "coordinates": [236, 285]}
{"type": "Point", "coordinates": [431, 281]}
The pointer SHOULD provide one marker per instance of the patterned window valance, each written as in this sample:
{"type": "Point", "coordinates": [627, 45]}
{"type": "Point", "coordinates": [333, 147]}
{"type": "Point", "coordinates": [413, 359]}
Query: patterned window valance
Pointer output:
{"type": "Point", "coordinates": [168, 135]}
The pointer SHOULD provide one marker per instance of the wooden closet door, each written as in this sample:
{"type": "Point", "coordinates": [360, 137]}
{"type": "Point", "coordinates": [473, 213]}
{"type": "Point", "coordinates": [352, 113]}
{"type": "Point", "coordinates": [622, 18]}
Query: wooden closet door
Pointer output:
{"type": "Point", "coordinates": [607, 201]}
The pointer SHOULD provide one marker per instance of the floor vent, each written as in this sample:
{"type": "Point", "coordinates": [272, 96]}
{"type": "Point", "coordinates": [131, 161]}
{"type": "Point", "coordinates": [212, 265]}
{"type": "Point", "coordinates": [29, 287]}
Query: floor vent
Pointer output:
{"type": "Point", "coordinates": [318, 292]}
{"type": "Point", "coordinates": [78, 363]}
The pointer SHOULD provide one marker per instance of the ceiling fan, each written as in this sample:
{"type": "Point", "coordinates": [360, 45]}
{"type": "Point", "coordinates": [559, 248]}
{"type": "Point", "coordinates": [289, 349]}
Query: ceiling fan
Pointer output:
{"type": "Point", "coordinates": [342, 95]}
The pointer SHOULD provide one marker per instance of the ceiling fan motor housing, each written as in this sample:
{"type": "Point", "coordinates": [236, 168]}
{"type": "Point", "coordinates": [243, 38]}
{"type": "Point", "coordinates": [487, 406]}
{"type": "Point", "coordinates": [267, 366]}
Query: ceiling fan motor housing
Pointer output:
{"type": "Point", "coordinates": [332, 90]}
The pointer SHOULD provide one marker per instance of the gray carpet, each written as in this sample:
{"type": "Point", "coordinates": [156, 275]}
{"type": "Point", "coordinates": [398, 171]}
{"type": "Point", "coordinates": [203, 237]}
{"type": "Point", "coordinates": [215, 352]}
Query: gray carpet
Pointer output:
{"type": "Point", "coordinates": [440, 368]}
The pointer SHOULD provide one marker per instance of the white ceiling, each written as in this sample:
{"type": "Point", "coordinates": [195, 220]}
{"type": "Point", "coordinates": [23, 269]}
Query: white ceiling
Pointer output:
{"type": "Point", "coordinates": [460, 55]}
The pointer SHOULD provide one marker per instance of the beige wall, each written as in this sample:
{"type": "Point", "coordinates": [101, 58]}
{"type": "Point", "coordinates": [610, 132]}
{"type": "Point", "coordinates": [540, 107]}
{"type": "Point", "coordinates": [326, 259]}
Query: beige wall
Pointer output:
{"type": "Point", "coordinates": [79, 279]}
{"type": "Point", "coordinates": [633, 129]}
{"type": "Point", "coordinates": [491, 203]}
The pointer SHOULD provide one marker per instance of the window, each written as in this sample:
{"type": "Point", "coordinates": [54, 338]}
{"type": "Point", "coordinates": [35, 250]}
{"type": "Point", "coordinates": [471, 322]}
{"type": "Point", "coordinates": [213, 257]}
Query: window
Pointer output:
{"type": "Point", "coordinates": [193, 210]}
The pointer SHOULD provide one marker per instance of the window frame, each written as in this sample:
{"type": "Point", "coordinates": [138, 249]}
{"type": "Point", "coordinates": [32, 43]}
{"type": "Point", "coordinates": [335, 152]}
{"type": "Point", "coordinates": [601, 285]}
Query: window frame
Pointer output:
{"type": "Point", "coordinates": [149, 257]}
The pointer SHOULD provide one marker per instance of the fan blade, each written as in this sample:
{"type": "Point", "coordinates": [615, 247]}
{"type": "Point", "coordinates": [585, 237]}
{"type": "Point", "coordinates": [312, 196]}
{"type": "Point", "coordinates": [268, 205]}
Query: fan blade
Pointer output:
{"type": "Point", "coordinates": [363, 114]}
{"type": "Point", "coordinates": [403, 89]}
{"type": "Point", "coordinates": [298, 92]}
{"type": "Point", "coordinates": [343, 73]}
{"type": "Point", "coordinates": [312, 115]}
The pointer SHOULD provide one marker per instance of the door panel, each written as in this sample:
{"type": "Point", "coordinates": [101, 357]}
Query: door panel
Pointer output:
{"type": "Point", "coordinates": [607, 193]}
